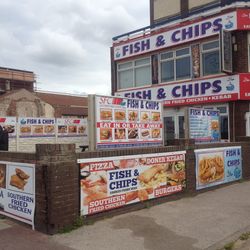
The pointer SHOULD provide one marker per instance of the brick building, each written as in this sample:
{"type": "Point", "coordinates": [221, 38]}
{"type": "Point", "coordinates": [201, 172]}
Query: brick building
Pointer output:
{"type": "Point", "coordinates": [18, 97]}
{"type": "Point", "coordinates": [195, 53]}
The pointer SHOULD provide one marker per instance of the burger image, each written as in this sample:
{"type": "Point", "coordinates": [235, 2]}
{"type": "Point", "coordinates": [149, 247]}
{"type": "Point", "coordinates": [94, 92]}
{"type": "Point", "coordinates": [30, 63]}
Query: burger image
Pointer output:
{"type": "Point", "coordinates": [145, 133]}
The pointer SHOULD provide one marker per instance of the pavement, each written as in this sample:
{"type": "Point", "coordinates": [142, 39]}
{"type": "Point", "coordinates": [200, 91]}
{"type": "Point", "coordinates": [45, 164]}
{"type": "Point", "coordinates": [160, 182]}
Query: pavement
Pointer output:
{"type": "Point", "coordinates": [207, 221]}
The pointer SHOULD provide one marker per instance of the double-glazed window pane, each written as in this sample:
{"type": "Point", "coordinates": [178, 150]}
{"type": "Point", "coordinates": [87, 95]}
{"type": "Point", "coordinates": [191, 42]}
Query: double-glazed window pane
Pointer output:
{"type": "Point", "coordinates": [183, 68]}
{"type": "Point", "coordinates": [134, 73]}
{"type": "Point", "coordinates": [125, 79]}
{"type": "Point", "coordinates": [211, 63]}
{"type": "Point", "coordinates": [167, 71]}
{"type": "Point", "coordinates": [142, 76]}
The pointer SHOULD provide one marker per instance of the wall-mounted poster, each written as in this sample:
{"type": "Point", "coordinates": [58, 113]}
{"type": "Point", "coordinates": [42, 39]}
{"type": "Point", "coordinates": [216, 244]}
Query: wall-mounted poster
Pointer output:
{"type": "Point", "coordinates": [217, 166]}
{"type": "Point", "coordinates": [36, 127]}
{"type": "Point", "coordinates": [17, 191]}
{"type": "Point", "coordinates": [204, 125]}
{"type": "Point", "coordinates": [9, 124]}
{"type": "Point", "coordinates": [71, 127]}
{"type": "Point", "coordinates": [112, 182]}
{"type": "Point", "coordinates": [123, 122]}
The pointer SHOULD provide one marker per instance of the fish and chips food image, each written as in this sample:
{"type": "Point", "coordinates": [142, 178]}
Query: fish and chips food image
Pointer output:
{"type": "Point", "coordinates": [105, 134]}
{"type": "Point", "coordinates": [106, 114]}
{"type": "Point", "coordinates": [156, 116]}
{"type": "Point", "coordinates": [81, 129]}
{"type": "Point", "coordinates": [49, 129]}
{"type": "Point", "coordinates": [132, 115]}
{"type": "Point", "coordinates": [120, 115]}
{"type": "Point", "coordinates": [145, 116]}
{"type": "Point", "coordinates": [9, 128]}
{"type": "Point", "coordinates": [38, 129]}
{"type": "Point", "coordinates": [2, 175]}
{"type": "Point", "coordinates": [211, 169]}
{"type": "Point", "coordinates": [20, 179]}
{"type": "Point", "coordinates": [25, 129]}
{"type": "Point", "coordinates": [73, 129]}
{"type": "Point", "coordinates": [156, 133]}
{"type": "Point", "coordinates": [120, 134]}
{"type": "Point", "coordinates": [154, 176]}
{"type": "Point", "coordinates": [215, 125]}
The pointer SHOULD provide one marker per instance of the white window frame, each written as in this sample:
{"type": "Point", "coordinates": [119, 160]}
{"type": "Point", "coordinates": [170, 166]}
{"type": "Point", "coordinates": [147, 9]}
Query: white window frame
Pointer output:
{"type": "Point", "coordinates": [134, 67]}
{"type": "Point", "coordinates": [174, 58]}
{"type": "Point", "coordinates": [208, 51]}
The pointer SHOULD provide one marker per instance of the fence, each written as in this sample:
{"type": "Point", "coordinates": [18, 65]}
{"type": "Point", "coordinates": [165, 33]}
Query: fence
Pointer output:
{"type": "Point", "coordinates": [57, 179]}
{"type": "Point", "coordinates": [25, 133]}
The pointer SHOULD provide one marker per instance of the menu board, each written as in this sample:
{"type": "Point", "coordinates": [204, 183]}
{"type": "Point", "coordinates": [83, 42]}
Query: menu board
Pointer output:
{"type": "Point", "coordinates": [9, 124]}
{"type": "Point", "coordinates": [123, 122]}
{"type": "Point", "coordinates": [112, 182]}
{"type": "Point", "coordinates": [204, 125]}
{"type": "Point", "coordinates": [69, 127]}
{"type": "Point", "coordinates": [217, 166]}
{"type": "Point", "coordinates": [36, 127]}
{"type": "Point", "coordinates": [17, 191]}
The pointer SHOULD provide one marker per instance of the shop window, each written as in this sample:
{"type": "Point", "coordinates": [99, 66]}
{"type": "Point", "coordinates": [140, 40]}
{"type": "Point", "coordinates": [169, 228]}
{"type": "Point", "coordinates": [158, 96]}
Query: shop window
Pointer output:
{"type": "Point", "coordinates": [134, 73]}
{"type": "Point", "coordinates": [176, 65]}
{"type": "Point", "coordinates": [210, 58]}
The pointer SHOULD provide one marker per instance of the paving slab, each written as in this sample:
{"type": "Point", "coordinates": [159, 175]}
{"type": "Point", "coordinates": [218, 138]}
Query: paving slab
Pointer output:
{"type": "Point", "coordinates": [206, 221]}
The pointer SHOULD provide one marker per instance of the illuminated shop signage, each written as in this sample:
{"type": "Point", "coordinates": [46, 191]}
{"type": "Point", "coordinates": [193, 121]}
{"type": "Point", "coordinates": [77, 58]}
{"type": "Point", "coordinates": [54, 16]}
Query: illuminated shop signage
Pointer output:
{"type": "Point", "coordinates": [177, 36]}
{"type": "Point", "coordinates": [219, 89]}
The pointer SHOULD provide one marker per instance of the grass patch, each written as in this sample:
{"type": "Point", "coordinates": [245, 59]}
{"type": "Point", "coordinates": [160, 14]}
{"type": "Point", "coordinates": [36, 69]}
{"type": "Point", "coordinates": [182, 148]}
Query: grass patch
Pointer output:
{"type": "Point", "coordinates": [245, 236]}
{"type": "Point", "coordinates": [229, 246]}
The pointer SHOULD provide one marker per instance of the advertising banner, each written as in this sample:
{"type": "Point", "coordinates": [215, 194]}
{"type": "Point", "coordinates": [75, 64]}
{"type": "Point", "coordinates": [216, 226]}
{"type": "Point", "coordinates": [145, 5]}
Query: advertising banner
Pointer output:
{"type": "Point", "coordinates": [9, 124]}
{"type": "Point", "coordinates": [36, 127]}
{"type": "Point", "coordinates": [17, 191]}
{"type": "Point", "coordinates": [217, 166]}
{"type": "Point", "coordinates": [243, 16]}
{"type": "Point", "coordinates": [109, 183]}
{"type": "Point", "coordinates": [71, 127]}
{"type": "Point", "coordinates": [204, 125]}
{"type": "Point", "coordinates": [123, 122]}
{"type": "Point", "coordinates": [245, 86]}
{"type": "Point", "coordinates": [176, 36]}
{"type": "Point", "coordinates": [217, 89]}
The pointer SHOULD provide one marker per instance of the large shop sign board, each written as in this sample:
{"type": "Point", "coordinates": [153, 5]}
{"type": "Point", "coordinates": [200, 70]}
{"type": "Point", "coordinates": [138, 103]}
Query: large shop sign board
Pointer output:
{"type": "Point", "coordinates": [109, 183]}
{"type": "Point", "coordinates": [17, 191]}
{"type": "Point", "coordinates": [210, 90]}
{"type": "Point", "coordinates": [123, 122]}
{"type": "Point", "coordinates": [217, 166]}
{"type": "Point", "coordinates": [239, 19]}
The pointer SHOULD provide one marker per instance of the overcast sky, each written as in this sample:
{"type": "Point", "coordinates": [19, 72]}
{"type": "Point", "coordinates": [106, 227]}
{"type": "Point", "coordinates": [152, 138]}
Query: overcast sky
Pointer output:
{"type": "Point", "coordinates": [66, 43]}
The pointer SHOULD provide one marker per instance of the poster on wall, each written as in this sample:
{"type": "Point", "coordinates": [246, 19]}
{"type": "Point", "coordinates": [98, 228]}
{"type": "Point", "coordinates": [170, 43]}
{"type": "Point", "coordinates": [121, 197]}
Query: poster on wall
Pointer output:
{"type": "Point", "coordinates": [17, 191]}
{"type": "Point", "coordinates": [71, 127]}
{"type": "Point", "coordinates": [112, 182]}
{"type": "Point", "coordinates": [217, 166]}
{"type": "Point", "coordinates": [204, 125]}
{"type": "Point", "coordinates": [9, 124]}
{"type": "Point", "coordinates": [123, 122]}
{"type": "Point", "coordinates": [36, 127]}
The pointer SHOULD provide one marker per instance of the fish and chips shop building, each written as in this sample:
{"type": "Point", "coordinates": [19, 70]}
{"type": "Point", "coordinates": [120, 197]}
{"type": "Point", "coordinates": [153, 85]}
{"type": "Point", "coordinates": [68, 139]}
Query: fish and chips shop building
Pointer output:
{"type": "Point", "coordinates": [194, 54]}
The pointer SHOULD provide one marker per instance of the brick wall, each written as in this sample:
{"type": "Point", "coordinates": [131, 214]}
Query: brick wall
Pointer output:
{"type": "Point", "coordinates": [58, 185]}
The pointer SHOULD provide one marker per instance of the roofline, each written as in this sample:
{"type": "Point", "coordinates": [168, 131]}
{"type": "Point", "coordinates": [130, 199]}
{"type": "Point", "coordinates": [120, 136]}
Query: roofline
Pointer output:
{"type": "Point", "coordinates": [20, 70]}
{"type": "Point", "coordinates": [60, 93]}
{"type": "Point", "coordinates": [214, 7]}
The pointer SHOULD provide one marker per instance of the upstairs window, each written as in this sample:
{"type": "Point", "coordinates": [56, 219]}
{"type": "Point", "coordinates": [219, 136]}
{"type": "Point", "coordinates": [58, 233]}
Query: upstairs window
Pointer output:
{"type": "Point", "coordinates": [176, 65]}
{"type": "Point", "coordinates": [134, 73]}
{"type": "Point", "coordinates": [210, 58]}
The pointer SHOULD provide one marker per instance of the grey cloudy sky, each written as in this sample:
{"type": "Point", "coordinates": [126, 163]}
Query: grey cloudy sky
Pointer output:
{"type": "Point", "coordinates": [66, 42]}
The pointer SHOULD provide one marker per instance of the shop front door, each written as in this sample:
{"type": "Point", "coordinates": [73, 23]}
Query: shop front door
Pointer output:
{"type": "Point", "coordinates": [174, 127]}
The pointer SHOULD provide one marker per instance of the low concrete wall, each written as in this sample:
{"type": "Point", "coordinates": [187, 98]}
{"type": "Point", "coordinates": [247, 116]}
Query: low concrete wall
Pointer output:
{"type": "Point", "coordinates": [58, 184]}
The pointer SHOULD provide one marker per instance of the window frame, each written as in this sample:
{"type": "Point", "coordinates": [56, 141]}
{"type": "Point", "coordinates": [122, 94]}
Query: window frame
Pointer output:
{"type": "Point", "coordinates": [133, 67]}
{"type": "Point", "coordinates": [174, 58]}
{"type": "Point", "coordinates": [208, 51]}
